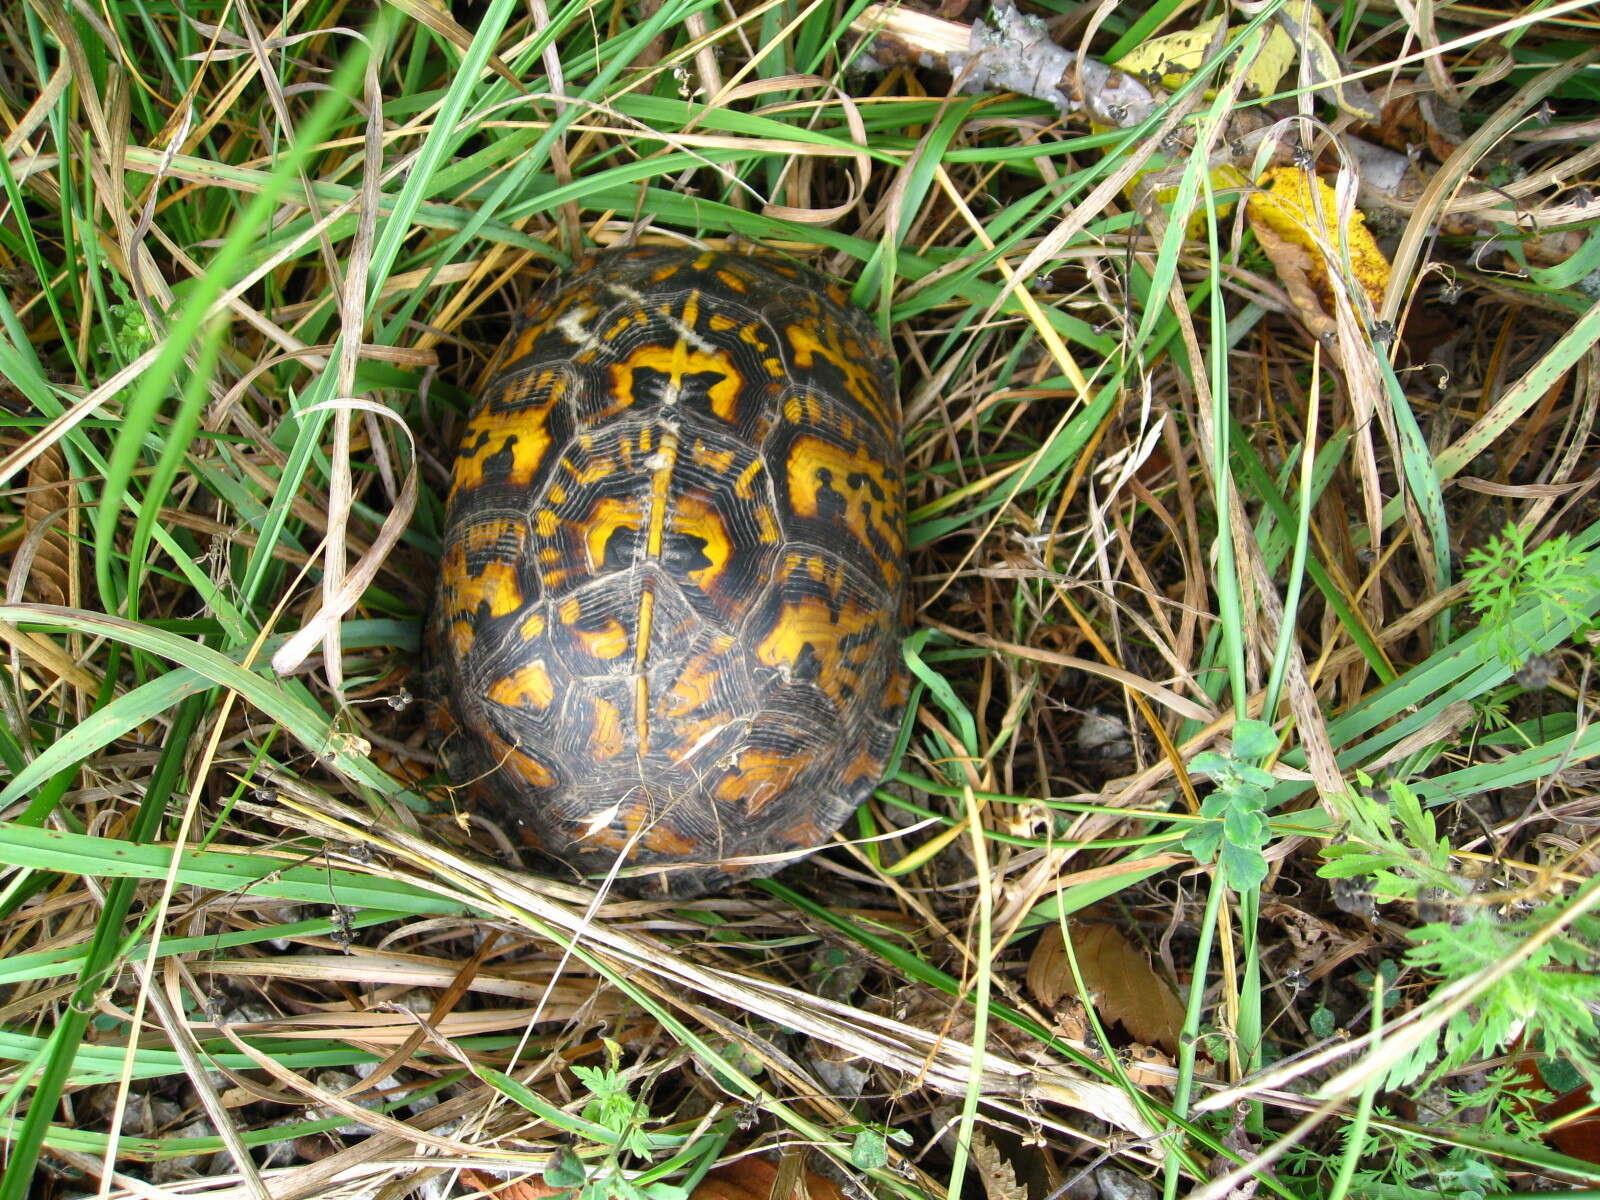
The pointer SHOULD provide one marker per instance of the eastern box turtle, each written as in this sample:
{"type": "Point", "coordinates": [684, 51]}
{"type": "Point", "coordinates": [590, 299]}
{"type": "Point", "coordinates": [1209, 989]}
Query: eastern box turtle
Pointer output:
{"type": "Point", "coordinates": [674, 572]}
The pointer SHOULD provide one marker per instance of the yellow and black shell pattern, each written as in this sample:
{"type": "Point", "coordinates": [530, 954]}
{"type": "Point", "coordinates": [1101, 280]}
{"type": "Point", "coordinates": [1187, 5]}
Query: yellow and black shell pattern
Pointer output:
{"type": "Point", "coordinates": [673, 581]}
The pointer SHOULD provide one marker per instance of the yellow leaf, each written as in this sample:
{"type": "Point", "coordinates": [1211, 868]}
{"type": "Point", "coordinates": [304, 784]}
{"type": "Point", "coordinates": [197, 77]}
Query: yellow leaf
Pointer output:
{"type": "Point", "coordinates": [1169, 60]}
{"type": "Point", "coordinates": [1322, 62]}
{"type": "Point", "coordinates": [1270, 66]}
{"type": "Point", "coordinates": [1285, 208]}
{"type": "Point", "coordinates": [1159, 185]}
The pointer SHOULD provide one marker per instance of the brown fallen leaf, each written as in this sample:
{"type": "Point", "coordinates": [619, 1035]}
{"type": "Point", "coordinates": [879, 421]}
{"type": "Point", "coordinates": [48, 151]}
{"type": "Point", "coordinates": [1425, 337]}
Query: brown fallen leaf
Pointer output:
{"type": "Point", "coordinates": [1576, 1135]}
{"type": "Point", "coordinates": [995, 1169]}
{"type": "Point", "coordinates": [49, 496]}
{"type": "Point", "coordinates": [1122, 984]}
{"type": "Point", "coordinates": [530, 1188]}
{"type": "Point", "coordinates": [754, 1178]}
{"type": "Point", "coordinates": [1293, 265]}
{"type": "Point", "coordinates": [1148, 1067]}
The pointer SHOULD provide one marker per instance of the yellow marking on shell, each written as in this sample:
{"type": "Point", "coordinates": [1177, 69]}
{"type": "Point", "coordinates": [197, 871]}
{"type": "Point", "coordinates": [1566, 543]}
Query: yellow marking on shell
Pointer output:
{"type": "Point", "coordinates": [830, 575]}
{"type": "Point", "coordinates": [545, 522]}
{"type": "Point", "coordinates": [754, 336]}
{"type": "Point", "coordinates": [499, 545]}
{"type": "Point", "coordinates": [606, 736]}
{"type": "Point", "coordinates": [528, 686]}
{"type": "Point", "coordinates": [570, 305]}
{"type": "Point", "coordinates": [676, 361]}
{"type": "Point", "coordinates": [641, 710]}
{"type": "Point", "coordinates": [694, 516]}
{"type": "Point", "coordinates": [807, 409]}
{"type": "Point", "coordinates": [865, 765]}
{"type": "Point", "coordinates": [661, 465]}
{"type": "Point", "coordinates": [691, 316]}
{"type": "Point", "coordinates": [716, 462]}
{"type": "Point", "coordinates": [608, 642]}
{"type": "Point", "coordinates": [804, 832]}
{"type": "Point", "coordinates": [697, 681]}
{"type": "Point", "coordinates": [809, 457]}
{"type": "Point", "coordinates": [767, 523]}
{"type": "Point", "coordinates": [607, 516]}
{"type": "Point", "coordinates": [851, 358]}
{"type": "Point", "coordinates": [532, 626]}
{"type": "Point", "coordinates": [657, 838]}
{"type": "Point", "coordinates": [720, 322]}
{"type": "Point", "coordinates": [660, 491]}
{"type": "Point", "coordinates": [507, 757]}
{"type": "Point", "coordinates": [759, 777]}
{"type": "Point", "coordinates": [641, 681]}
{"type": "Point", "coordinates": [558, 494]}
{"type": "Point", "coordinates": [899, 687]}
{"type": "Point", "coordinates": [554, 579]}
{"type": "Point", "coordinates": [550, 554]}
{"type": "Point", "coordinates": [743, 487]}
{"type": "Point", "coordinates": [594, 469]}
{"type": "Point", "coordinates": [523, 431]}
{"type": "Point", "coordinates": [810, 621]}
{"type": "Point", "coordinates": [734, 281]}
{"type": "Point", "coordinates": [698, 738]}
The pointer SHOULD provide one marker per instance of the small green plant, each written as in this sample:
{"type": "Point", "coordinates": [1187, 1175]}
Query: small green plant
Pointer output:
{"type": "Point", "coordinates": [130, 332]}
{"type": "Point", "coordinates": [1401, 1161]}
{"type": "Point", "coordinates": [869, 1149]}
{"type": "Point", "coordinates": [1237, 832]}
{"type": "Point", "coordinates": [1402, 1164]}
{"type": "Point", "coordinates": [1550, 990]}
{"type": "Point", "coordinates": [613, 1108]}
{"type": "Point", "coordinates": [612, 1104]}
{"type": "Point", "coordinates": [1394, 841]}
{"type": "Point", "coordinates": [1506, 573]}
{"type": "Point", "coordinates": [612, 1120]}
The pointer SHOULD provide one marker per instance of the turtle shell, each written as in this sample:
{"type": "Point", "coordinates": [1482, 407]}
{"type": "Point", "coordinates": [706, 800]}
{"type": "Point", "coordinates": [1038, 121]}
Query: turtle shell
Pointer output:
{"type": "Point", "coordinates": [673, 581]}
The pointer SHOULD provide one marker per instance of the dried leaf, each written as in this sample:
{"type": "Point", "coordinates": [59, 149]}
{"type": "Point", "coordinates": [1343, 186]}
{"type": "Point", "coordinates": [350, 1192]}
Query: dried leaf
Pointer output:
{"type": "Point", "coordinates": [1159, 187]}
{"type": "Point", "coordinates": [1289, 214]}
{"type": "Point", "coordinates": [1293, 265]}
{"type": "Point", "coordinates": [995, 1169]}
{"type": "Point", "coordinates": [1310, 938]}
{"type": "Point", "coordinates": [1072, 1021]}
{"type": "Point", "coordinates": [1122, 985]}
{"type": "Point", "coordinates": [48, 494]}
{"type": "Point", "coordinates": [1576, 1136]}
{"type": "Point", "coordinates": [1168, 61]}
{"type": "Point", "coordinates": [1148, 1067]}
